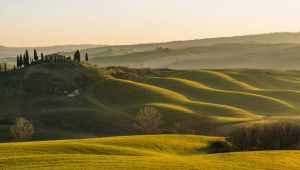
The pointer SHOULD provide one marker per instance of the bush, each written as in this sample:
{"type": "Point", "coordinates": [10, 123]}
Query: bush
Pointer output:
{"type": "Point", "coordinates": [200, 124]}
{"type": "Point", "coordinates": [22, 129]}
{"type": "Point", "coordinates": [148, 120]}
{"type": "Point", "coordinates": [222, 146]}
{"type": "Point", "coordinates": [280, 135]}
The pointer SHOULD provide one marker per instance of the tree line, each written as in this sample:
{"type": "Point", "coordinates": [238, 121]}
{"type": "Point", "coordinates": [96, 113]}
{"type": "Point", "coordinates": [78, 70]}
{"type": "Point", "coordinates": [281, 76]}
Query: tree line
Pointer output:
{"type": "Point", "coordinates": [25, 60]}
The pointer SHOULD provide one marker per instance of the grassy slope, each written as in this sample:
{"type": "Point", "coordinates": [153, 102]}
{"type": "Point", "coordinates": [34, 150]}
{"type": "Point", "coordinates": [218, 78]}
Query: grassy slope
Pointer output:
{"type": "Point", "coordinates": [109, 105]}
{"type": "Point", "coordinates": [114, 93]}
{"type": "Point", "coordinates": [225, 94]}
{"type": "Point", "coordinates": [138, 152]}
{"type": "Point", "coordinates": [37, 93]}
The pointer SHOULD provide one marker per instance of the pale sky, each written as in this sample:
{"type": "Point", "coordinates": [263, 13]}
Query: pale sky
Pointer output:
{"type": "Point", "coordinates": [58, 22]}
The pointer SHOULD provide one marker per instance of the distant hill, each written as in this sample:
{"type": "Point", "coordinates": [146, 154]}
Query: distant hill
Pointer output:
{"type": "Point", "coordinates": [254, 55]}
{"type": "Point", "coordinates": [274, 50]}
{"type": "Point", "coordinates": [272, 38]}
{"type": "Point", "coordinates": [14, 51]}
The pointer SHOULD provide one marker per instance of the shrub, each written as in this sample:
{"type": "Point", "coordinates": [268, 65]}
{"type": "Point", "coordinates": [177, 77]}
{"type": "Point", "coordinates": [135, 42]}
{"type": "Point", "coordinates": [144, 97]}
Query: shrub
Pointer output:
{"type": "Point", "coordinates": [222, 146]}
{"type": "Point", "coordinates": [148, 120]}
{"type": "Point", "coordinates": [280, 135]}
{"type": "Point", "coordinates": [197, 124]}
{"type": "Point", "coordinates": [22, 129]}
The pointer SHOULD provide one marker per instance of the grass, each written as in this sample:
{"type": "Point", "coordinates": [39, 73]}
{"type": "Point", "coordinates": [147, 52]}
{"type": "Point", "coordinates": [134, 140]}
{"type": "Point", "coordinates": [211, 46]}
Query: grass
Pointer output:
{"type": "Point", "coordinates": [114, 93]}
{"type": "Point", "coordinates": [214, 92]}
{"type": "Point", "coordinates": [244, 100]}
{"type": "Point", "coordinates": [109, 105]}
{"type": "Point", "coordinates": [138, 152]}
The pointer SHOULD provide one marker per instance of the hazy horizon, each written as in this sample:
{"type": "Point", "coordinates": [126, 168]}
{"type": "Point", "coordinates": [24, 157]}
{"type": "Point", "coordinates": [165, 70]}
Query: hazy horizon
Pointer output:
{"type": "Point", "coordinates": [47, 23]}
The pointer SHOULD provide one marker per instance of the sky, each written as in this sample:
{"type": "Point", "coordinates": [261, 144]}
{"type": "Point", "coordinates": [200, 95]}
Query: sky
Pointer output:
{"type": "Point", "coordinates": [58, 22]}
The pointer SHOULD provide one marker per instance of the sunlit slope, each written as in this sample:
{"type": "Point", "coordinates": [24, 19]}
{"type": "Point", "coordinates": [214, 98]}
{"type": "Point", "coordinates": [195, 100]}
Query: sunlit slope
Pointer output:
{"type": "Point", "coordinates": [128, 96]}
{"type": "Point", "coordinates": [138, 152]}
{"type": "Point", "coordinates": [220, 93]}
{"type": "Point", "coordinates": [267, 79]}
{"type": "Point", "coordinates": [215, 79]}
{"type": "Point", "coordinates": [245, 100]}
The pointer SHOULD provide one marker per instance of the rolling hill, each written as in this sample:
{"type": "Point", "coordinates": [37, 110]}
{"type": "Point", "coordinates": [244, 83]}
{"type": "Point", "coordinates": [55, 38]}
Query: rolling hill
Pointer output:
{"type": "Point", "coordinates": [220, 56]}
{"type": "Point", "coordinates": [139, 152]}
{"type": "Point", "coordinates": [272, 38]}
{"type": "Point", "coordinates": [70, 100]}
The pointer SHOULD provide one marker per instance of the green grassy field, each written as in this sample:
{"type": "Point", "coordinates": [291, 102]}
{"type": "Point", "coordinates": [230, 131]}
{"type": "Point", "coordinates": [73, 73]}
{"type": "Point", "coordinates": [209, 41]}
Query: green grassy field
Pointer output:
{"type": "Point", "coordinates": [109, 103]}
{"type": "Point", "coordinates": [219, 93]}
{"type": "Point", "coordinates": [139, 152]}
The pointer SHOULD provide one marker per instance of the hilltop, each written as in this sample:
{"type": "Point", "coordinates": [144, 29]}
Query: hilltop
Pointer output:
{"type": "Point", "coordinates": [71, 100]}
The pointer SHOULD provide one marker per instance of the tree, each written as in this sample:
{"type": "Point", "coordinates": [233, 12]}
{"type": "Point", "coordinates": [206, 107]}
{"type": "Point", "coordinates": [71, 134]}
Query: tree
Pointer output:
{"type": "Point", "coordinates": [200, 124]}
{"type": "Point", "coordinates": [5, 67]}
{"type": "Point", "coordinates": [42, 56]}
{"type": "Point", "coordinates": [77, 56]}
{"type": "Point", "coordinates": [35, 55]}
{"type": "Point", "coordinates": [148, 120]}
{"type": "Point", "coordinates": [18, 61]}
{"type": "Point", "coordinates": [86, 57]}
{"type": "Point", "coordinates": [278, 135]}
{"type": "Point", "coordinates": [21, 61]}
{"type": "Point", "coordinates": [22, 129]}
{"type": "Point", "coordinates": [26, 58]}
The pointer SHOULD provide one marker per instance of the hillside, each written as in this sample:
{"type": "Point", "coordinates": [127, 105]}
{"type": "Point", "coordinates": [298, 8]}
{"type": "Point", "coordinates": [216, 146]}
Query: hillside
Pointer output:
{"type": "Point", "coordinates": [255, 56]}
{"type": "Point", "coordinates": [71, 100]}
{"type": "Point", "coordinates": [139, 152]}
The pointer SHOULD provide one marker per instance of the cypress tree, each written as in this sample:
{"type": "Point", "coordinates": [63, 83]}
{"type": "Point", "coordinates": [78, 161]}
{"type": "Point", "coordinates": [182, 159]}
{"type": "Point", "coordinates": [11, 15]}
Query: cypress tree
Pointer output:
{"type": "Point", "coordinates": [18, 61]}
{"type": "Point", "coordinates": [42, 56]}
{"type": "Point", "coordinates": [21, 61]}
{"type": "Point", "coordinates": [77, 56]}
{"type": "Point", "coordinates": [26, 58]}
{"type": "Point", "coordinates": [86, 57]}
{"type": "Point", "coordinates": [35, 55]}
{"type": "Point", "coordinates": [5, 67]}
{"type": "Point", "coordinates": [26, 53]}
